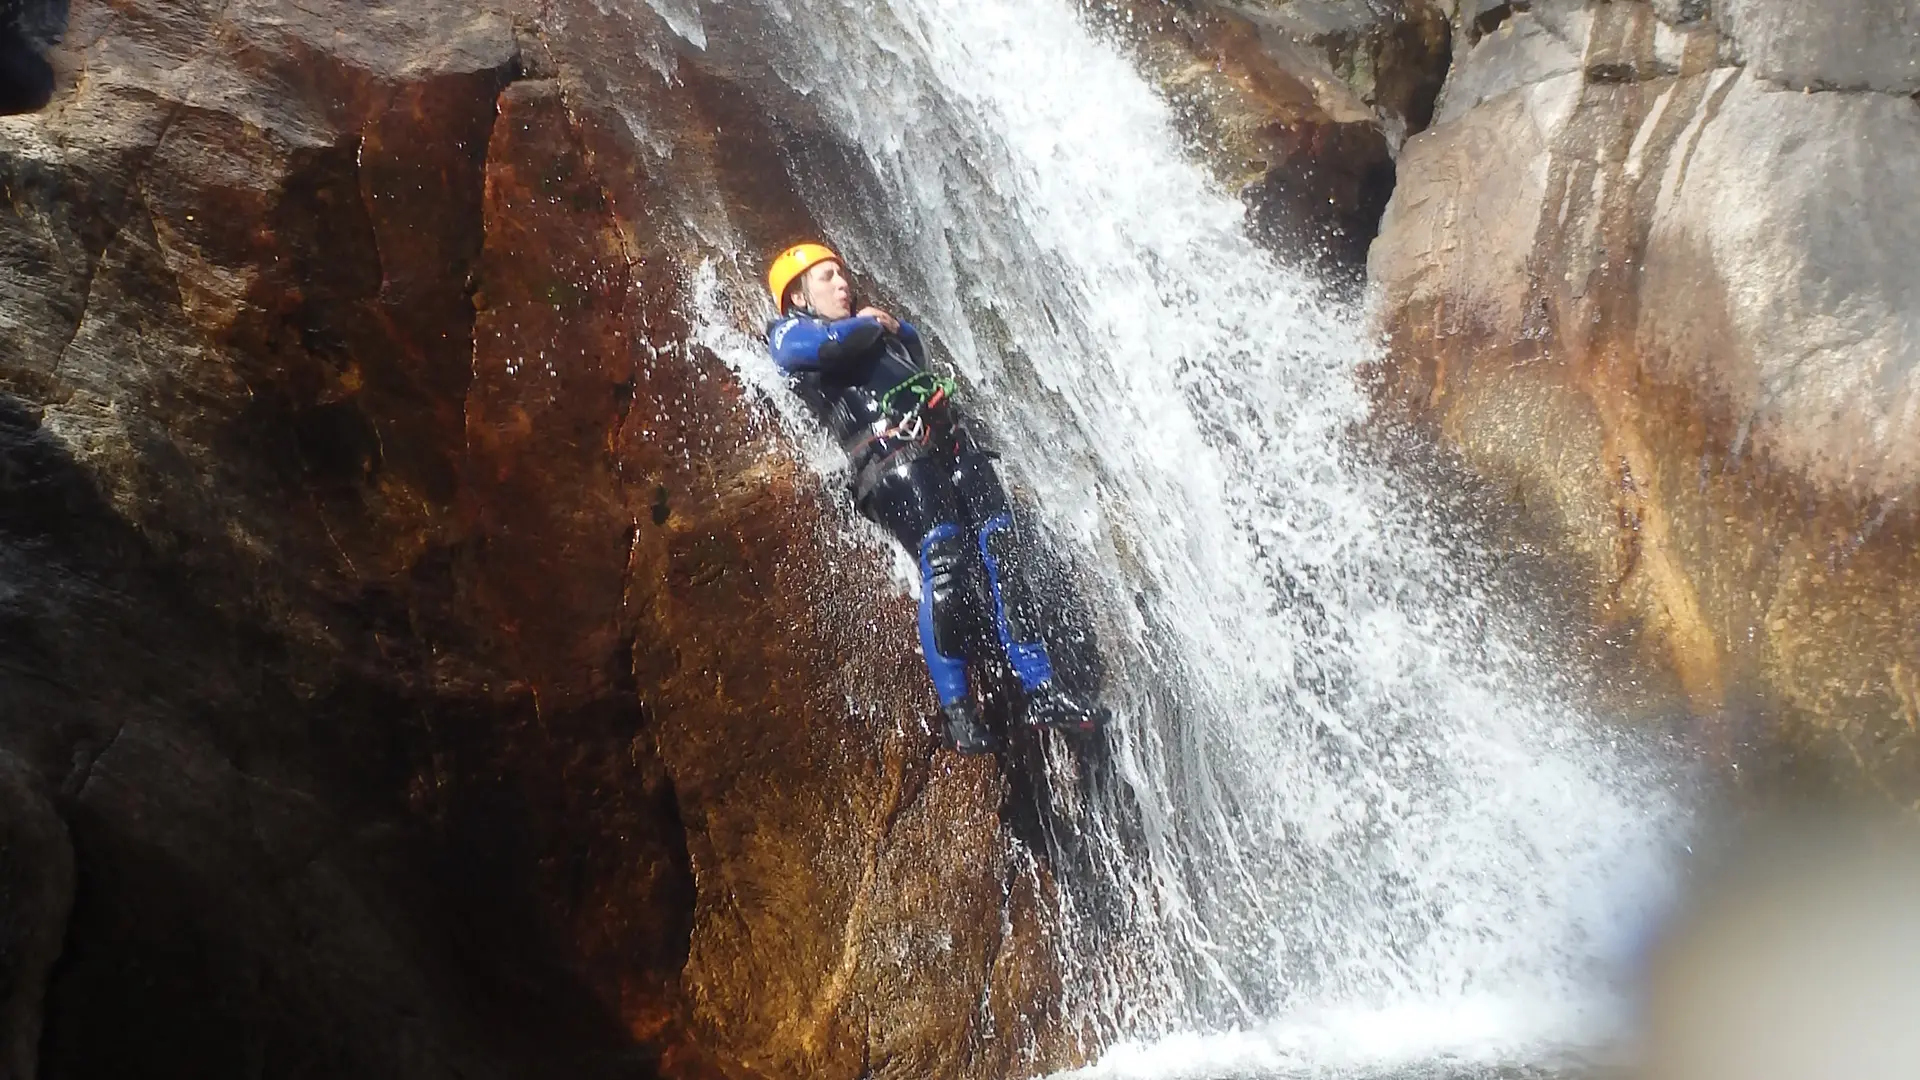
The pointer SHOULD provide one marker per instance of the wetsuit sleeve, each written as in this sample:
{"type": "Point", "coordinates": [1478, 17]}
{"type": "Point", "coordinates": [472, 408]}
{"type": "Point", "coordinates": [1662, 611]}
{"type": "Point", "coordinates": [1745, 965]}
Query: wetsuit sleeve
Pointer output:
{"type": "Point", "coordinates": [911, 339]}
{"type": "Point", "coordinates": [803, 345]}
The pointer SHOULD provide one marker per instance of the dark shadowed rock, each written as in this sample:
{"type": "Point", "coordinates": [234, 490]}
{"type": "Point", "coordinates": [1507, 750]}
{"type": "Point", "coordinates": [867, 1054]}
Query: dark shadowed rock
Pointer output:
{"type": "Point", "coordinates": [36, 893]}
{"type": "Point", "coordinates": [27, 29]}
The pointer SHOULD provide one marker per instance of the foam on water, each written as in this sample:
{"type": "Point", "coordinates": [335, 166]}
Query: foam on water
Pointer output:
{"type": "Point", "coordinates": [1461, 1037]}
{"type": "Point", "coordinates": [1347, 796]}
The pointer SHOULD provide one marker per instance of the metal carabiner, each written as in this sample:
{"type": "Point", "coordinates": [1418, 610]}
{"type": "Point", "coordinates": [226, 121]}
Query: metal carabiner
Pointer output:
{"type": "Point", "coordinates": [911, 428]}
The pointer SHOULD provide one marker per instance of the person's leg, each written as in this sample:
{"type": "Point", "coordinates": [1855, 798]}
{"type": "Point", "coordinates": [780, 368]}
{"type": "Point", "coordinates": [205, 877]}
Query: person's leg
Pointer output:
{"type": "Point", "coordinates": [1016, 607]}
{"type": "Point", "coordinates": [915, 502]}
{"type": "Point", "coordinates": [1016, 614]}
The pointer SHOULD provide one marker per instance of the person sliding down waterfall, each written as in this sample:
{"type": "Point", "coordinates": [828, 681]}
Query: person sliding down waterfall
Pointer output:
{"type": "Point", "coordinates": [920, 475]}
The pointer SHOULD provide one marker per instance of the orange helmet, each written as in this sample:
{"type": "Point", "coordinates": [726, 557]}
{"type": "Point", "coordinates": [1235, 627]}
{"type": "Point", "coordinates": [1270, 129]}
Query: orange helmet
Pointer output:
{"type": "Point", "coordinates": [793, 262]}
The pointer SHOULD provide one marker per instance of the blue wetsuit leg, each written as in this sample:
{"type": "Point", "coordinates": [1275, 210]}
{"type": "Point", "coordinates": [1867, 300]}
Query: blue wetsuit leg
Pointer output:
{"type": "Point", "coordinates": [916, 503]}
{"type": "Point", "coordinates": [1016, 621]}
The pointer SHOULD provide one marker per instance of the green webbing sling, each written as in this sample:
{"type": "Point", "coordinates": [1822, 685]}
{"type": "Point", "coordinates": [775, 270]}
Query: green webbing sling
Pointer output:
{"type": "Point", "coordinates": [921, 386]}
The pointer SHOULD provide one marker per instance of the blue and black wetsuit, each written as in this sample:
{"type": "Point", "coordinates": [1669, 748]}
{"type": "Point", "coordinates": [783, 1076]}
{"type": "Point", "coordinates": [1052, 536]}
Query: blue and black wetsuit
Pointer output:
{"type": "Point", "coordinates": [919, 474]}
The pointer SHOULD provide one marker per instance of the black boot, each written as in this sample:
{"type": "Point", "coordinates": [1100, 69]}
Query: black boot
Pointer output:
{"type": "Point", "coordinates": [1051, 706]}
{"type": "Point", "coordinates": [965, 733]}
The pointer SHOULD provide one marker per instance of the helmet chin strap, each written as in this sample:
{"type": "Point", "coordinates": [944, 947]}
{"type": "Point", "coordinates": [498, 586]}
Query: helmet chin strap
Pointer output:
{"type": "Point", "coordinates": [807, 298]}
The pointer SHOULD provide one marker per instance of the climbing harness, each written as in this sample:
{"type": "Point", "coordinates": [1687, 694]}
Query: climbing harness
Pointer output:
{"type": "Point", "coordinates": [911, 416]}
{"type": "Point", "coordinates": [927, 392]}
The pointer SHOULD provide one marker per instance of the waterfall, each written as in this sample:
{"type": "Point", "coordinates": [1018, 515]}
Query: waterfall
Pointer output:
{"type": "Point", "coordinates": [1351, 821]}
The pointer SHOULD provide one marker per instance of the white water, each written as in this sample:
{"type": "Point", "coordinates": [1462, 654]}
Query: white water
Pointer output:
{"type": "Point", "coordinates": [1357, 825]}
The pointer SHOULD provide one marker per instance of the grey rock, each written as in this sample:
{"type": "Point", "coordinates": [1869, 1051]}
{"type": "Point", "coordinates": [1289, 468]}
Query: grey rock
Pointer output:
{"type": "Point", "coordinates": [1674, 306]}
{"type": "Point", "coordinates": [1782, 265]}
{"type": "Point", "coordinates": [1847, 45]}
{"type": "Point", "coordinates": [1526, 50]}
{"type": "Point", "coordinates": [1795, 212]}
{"type": "Point", "coordinates": [1466, 242]}
{"type": "Point", "coordinates": [1384, 57]}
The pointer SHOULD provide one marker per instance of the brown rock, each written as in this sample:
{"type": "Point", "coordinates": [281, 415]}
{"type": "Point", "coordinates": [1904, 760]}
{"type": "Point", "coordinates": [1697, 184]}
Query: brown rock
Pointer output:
{"type": "Point", "coordinates": [1392, 55]}
{"type": "Point", "coordinates": [1299, 106]}
{"type": "Point", "coordinates": [1667, 306]}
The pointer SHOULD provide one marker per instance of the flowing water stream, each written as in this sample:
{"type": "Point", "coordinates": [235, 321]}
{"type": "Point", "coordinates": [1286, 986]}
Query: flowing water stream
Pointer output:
{"type": "Point", "coordinates": [1352, 825]}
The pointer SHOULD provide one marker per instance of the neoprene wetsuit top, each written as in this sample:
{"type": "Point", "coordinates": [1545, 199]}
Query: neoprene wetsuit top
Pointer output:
{"type": "Point", "coordinates": [844, 370]}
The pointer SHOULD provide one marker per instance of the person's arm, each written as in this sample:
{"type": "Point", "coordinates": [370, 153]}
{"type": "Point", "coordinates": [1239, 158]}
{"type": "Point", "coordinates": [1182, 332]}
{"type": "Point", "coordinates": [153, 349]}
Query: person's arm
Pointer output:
{"type": "Point", "coordinates": [911, 339]}
{"type": "Point", "coordinates": [803, 345]}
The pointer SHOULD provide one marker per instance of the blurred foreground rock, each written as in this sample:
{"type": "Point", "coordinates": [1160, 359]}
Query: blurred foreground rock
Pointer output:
{"type": "Point", "coordinates": [1804, 922]}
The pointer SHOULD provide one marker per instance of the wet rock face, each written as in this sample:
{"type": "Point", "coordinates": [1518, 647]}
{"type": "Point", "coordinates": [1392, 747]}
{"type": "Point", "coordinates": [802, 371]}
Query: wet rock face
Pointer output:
{"type": "Point", "coordinates": [1669, 301]}
{"type": "Point", "coordinates": [1299, 105]}
{"type": "Point", "coordinates": [1391, 54]}
{"type": "Point", "coordinates": [426, 646]}
{"type": "Point", "coordinates": [1865, 45]}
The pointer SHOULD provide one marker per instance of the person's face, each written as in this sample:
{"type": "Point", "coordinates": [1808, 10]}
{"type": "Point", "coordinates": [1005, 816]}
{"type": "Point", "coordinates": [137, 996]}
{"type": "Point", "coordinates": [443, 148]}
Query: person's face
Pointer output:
{"type": "Point", "coordinates": [826, 290]}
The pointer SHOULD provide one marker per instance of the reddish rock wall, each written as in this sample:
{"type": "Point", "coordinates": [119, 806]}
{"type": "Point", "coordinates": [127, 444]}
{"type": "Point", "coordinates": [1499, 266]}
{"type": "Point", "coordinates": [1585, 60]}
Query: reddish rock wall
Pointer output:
{"type": "Point", "coordinates": [433, 666]}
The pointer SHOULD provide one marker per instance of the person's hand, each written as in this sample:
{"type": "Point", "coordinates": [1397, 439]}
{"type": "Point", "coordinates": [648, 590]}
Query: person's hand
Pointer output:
{"type": "Point", "coordinates": [887, 322]}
